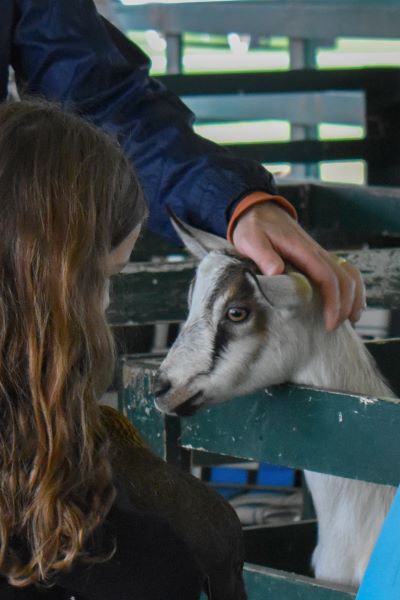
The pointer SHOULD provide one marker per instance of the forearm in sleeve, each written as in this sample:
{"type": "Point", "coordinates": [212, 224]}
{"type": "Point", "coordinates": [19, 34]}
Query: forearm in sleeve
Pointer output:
{"type": "Point", "coordinates": [63, 50]}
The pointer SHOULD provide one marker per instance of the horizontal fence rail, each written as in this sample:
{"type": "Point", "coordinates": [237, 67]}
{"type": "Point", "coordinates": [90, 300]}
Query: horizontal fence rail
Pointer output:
{"type": "Point", "coordinates": [153, 293]}
{"type": "Point", "coordinates": [337, 216]}
{"type": "Point", "coordinates": [310, 19]}
{"type": "Point", "coordinates": [381, 83]}
{"type": "Point", "coordinates": [346, 108]}
{"type": "Point", "coordinates": [341, 434]}
{"type": "Point", "coordinates": [262, 583]}
{"type": "Point", "coordinates": [378, 109]}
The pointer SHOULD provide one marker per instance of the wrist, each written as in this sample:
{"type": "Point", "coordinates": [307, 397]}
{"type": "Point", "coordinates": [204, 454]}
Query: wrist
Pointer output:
{"type": "Point", "coordinates": [253, 199]}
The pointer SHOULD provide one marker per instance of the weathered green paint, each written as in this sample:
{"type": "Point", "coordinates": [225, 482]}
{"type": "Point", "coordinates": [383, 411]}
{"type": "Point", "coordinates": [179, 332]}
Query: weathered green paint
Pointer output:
{"type": "Point", "coordinates": [152, 293]}
{"type": "Point", "coordinates": [136, 401]}
{"type": "Point", "coordinates": [267, 584]}
{"type": "Point", "coordinates": [304, 428]}
{"type": "Point", "coordinates": [381, 274]}
{"type": "Point", "coordinates": [298, 427]}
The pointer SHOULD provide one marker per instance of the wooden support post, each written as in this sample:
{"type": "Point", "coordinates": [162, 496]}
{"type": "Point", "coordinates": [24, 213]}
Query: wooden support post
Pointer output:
{"type": "Point", "coordinates": [383, 124]}
{"type": "Point", "coordinates": [302, 55]}
{"type": "Point", "coordinates": [174, 453]}
{"type": "Point", "coordinates": [174, 53]}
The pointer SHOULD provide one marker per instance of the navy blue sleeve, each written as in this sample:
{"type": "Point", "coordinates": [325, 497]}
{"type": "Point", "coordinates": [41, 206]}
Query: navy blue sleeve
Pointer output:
{"type": "Point", "coordinates": [63, 50]}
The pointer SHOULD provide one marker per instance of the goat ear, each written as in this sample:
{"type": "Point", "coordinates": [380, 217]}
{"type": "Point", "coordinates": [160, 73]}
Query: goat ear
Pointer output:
{"type": "Point", "coordinates": [285, 291]}
{"type": "Point", "coordinates": [198, 243]}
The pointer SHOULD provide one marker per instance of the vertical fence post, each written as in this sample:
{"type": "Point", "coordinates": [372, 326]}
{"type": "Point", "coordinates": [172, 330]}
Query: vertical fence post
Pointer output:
{"type": "Point", "coordinates": [302, 55]}
{"type": "Point", "coordinates": [174, 52]}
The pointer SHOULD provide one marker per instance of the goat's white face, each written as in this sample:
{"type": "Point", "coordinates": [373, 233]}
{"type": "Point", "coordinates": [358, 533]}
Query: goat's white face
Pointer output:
{"type": "Point", "coordinates": [233, 313]}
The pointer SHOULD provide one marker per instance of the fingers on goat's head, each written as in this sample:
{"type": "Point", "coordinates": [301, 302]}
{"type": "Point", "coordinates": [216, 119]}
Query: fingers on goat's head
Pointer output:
{"type": "Point", "coordinates": [229, 344]}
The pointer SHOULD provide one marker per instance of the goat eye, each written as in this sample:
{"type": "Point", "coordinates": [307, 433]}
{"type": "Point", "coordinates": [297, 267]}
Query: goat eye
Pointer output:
{"type": "Point", "coordinates": [236, 314]}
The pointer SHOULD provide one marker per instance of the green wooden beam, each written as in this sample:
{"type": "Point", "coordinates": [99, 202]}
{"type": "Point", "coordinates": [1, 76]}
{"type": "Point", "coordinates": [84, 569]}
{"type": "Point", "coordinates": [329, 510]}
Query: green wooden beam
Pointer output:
{"type": "Point", "coordinates": [299, 427]}
{"type": "Point", "coordinates": [152, 293]}
{"type": "Point", "coordinates": [304, 428]}
{"type": "Point", "coordinates": [266, 584]}
{"type": "Point", "coordinates": [381, 274]}
{"type": "Point", "coordinates": [135, 400]}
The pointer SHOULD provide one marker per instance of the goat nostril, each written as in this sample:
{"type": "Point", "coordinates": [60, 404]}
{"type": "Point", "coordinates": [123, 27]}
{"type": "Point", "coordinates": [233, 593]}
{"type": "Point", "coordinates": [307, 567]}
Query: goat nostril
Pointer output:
{"type": "Point", "coordinates": [161, 386]}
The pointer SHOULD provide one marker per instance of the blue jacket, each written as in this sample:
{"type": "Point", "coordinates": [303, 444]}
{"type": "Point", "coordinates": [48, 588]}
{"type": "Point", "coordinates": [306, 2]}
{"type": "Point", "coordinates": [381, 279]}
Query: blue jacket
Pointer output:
{"type": "Point", "coordinates": [63, 50]}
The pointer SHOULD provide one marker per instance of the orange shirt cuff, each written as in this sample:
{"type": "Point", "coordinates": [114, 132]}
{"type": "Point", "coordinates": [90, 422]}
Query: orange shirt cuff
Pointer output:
{"type": "Point", "coordinates": [251, 200]}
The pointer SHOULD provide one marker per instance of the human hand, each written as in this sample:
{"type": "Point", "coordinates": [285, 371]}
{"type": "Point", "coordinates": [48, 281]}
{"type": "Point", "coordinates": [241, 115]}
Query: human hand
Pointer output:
{"type": "Point", "coordinates": [267, 234]}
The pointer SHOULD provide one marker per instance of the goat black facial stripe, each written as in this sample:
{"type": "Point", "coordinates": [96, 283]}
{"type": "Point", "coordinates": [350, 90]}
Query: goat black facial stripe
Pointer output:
{"type": "Point", "coordinates": [221, 340]}
{"type": "Point", "coordinates": [242, 291]}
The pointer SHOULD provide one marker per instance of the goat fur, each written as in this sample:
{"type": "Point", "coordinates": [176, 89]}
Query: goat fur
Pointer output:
{"type": "Point", "coordinates": [289, 344]}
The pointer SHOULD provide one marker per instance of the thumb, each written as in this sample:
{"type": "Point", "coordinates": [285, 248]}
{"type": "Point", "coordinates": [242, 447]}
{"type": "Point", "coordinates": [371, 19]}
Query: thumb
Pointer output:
{"type": "Point", "coordinates": [261, 251]}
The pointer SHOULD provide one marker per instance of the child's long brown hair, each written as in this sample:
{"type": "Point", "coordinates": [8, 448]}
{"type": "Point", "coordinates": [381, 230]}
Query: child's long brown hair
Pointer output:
{"type": "Point", "coordinates": [67, 197]}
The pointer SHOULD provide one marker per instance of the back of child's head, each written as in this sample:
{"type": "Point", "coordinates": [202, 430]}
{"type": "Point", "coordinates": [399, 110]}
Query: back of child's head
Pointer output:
{"type": "Point", "coordinates": [55, 165]}
{"type": "Point", "coordinates": [68, 196]}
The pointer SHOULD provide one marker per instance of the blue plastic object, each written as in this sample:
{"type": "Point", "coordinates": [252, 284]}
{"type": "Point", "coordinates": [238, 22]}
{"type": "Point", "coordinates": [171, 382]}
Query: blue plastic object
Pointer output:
{"type": "Point", "coordinates": [266, 475]}
{"type": "Point", "coordinates": [382, 578]}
